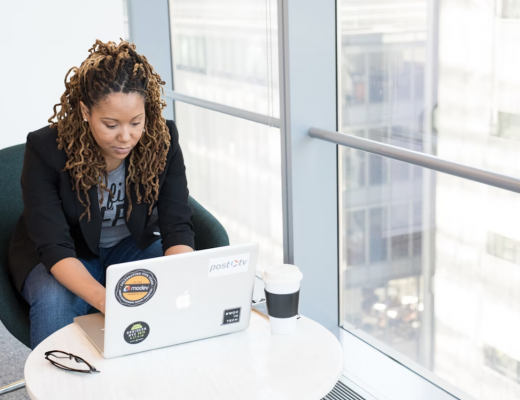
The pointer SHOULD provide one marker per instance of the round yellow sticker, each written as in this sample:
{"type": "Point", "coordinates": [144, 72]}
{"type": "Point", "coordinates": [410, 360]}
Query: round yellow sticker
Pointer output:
{"type": "Point", "coordinates": [136, 288]}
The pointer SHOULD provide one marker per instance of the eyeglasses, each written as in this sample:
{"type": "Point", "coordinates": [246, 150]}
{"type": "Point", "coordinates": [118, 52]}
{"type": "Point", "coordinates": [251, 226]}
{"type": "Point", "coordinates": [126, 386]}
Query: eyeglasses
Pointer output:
{"type": "Point", "coordinates": [57, 354]}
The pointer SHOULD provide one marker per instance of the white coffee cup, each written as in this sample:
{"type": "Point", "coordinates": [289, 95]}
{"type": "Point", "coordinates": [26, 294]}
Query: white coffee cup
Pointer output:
{"type": "Point", "coordinates": [282, 293]}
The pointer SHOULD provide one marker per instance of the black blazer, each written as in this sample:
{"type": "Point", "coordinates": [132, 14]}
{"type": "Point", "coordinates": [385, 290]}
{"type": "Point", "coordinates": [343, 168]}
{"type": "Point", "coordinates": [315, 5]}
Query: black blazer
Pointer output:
{"type": "Point", "coordinates": [49, 229]}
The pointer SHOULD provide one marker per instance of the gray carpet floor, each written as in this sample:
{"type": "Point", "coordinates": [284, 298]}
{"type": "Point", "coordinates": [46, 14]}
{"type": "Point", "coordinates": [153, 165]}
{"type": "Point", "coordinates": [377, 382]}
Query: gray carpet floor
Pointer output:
{"type": "Point", "coordinates": [12, 359]}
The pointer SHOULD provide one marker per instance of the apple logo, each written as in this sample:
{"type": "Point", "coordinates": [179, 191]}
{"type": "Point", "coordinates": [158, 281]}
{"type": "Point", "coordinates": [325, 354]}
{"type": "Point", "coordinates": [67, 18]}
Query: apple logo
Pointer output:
{"type": "Point", "coordinates": [183, 301]}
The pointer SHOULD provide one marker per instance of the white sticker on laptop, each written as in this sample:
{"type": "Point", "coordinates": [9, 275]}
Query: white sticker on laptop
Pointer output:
{"type": "Point", "coordinates": [228, 265]}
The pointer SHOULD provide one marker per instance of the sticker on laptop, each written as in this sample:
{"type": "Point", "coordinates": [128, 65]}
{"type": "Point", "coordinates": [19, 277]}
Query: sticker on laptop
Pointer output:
{"type": "Point", "coordinates": [231, 316]}
{"type": "Point", "coordinates": [228, 265]}
{"type": "Point", "coordinates": [136, 332]}
{"type": "Point", "coordinates": [136, 287]}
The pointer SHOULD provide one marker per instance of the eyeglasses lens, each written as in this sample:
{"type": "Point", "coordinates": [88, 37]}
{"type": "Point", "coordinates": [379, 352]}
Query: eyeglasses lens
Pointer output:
{"type": "Point", "coordinates": [69, 362]}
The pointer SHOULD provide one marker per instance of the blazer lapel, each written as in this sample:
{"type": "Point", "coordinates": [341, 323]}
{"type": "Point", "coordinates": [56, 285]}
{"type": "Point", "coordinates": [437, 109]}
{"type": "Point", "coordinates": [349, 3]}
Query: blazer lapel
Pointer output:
{"type": "Point", "coordinates": [91, 229]}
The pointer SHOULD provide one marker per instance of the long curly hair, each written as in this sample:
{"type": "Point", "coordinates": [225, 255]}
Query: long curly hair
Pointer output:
{"type": "Point", "coordinates": [112, 68]}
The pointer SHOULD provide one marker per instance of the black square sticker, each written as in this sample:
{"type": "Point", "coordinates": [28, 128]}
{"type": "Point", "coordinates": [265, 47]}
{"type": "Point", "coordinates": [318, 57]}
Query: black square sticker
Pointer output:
{"type": "Point", "coordinates": [231, 316]}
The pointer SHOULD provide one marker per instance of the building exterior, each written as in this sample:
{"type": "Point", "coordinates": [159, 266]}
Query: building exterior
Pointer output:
{"type": "Point", "coordinates": [430, 264]}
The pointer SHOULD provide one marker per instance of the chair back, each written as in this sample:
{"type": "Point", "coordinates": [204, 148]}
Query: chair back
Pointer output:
{"type": "Point", "coordinates": [209, 232]}
{"type": "Point", "coordinates": [14, 311]}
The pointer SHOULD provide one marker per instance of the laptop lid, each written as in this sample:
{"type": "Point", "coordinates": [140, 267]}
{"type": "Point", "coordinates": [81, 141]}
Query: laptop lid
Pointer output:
{"type": "Point", "coordinates": [175, 299]}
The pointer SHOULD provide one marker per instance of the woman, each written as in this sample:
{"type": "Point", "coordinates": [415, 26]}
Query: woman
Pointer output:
{"type": "Point", "coordinates": [109, 146]}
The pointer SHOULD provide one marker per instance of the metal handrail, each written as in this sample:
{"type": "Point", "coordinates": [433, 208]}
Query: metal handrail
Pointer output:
{"type": "Point", "coordinates": [233, 111]}
{"type": "Point", "coordinates": [421, 159]}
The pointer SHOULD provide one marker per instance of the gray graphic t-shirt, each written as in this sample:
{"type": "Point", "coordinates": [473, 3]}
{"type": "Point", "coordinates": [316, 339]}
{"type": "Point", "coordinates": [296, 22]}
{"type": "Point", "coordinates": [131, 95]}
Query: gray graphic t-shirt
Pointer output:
{"type": "Point", "coordinates": [113, 227]}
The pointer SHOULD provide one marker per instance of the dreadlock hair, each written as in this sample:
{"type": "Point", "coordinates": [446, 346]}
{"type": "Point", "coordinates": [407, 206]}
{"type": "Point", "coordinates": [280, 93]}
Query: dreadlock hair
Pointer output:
{"type": "Point", "coordinates": [112, 68]}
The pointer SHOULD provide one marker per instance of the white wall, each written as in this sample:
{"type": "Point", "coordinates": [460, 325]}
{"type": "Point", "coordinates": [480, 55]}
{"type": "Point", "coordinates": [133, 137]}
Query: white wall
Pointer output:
{"type": "Point", "coordinates": [39, 42]}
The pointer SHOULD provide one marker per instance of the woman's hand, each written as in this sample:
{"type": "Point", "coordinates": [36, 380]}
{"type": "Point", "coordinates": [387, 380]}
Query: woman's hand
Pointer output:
{"type": "Point", "coordinates": [179, 249]}
{"type": "Point", "coordinates": [72, 274]}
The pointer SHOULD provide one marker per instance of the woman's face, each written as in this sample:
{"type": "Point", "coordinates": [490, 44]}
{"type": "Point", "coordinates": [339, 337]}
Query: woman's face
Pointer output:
{"type": "Point", "coordinates": [117, 124]}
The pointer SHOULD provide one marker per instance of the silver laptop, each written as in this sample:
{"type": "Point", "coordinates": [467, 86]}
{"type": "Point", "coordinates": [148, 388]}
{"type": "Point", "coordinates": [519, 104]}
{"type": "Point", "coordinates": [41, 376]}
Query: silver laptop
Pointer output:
{"type": "Point", "coordinates": [169, 300]}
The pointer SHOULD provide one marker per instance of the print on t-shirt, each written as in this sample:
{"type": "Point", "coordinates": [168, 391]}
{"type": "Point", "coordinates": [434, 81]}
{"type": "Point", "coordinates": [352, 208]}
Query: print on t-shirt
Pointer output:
{"type": "Point", "coordinates": [118, 202]}
{"type": "Point", "coordinates": [113, 226]}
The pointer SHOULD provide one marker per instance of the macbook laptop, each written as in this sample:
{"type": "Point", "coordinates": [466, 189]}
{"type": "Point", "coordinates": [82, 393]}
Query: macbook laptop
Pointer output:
{"type": "Point", "coordinates": [169, 300]}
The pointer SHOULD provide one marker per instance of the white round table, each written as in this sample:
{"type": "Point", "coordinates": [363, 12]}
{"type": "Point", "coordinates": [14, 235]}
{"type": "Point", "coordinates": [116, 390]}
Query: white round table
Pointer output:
{"type": "Point", "coordinates": [252, 364]}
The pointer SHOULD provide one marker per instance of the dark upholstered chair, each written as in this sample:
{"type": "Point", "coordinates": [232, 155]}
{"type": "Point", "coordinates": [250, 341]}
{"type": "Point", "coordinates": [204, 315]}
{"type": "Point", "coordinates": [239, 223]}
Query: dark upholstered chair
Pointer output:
{"type": "Point", "coordinates": [14, 311]}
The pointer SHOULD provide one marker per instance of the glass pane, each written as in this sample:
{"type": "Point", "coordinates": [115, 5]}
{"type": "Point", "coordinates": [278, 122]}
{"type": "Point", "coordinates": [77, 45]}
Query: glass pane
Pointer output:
{"type": "Point", "coordinates": [430, 265]}
{"type": "Point", "coordinates": [226, 51]}
{"type": "Point", "coordinates": [430, 262]}
{"type": "Point", "coordinates": [438, 75]}
{"type": "Point", "coordinates": [382, 69]}
{"type": "Point", "coordinates": [234, 170]}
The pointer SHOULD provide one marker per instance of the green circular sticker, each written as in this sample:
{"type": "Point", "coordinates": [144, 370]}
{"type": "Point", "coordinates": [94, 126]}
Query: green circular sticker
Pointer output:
{"type": "Point", "coordinates": [136, 332]}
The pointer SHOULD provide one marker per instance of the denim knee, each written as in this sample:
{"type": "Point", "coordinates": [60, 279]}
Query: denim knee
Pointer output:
{"type": "Point", "coordinates": [53, 306]}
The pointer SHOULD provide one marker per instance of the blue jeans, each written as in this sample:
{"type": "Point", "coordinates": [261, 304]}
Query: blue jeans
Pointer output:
{"type": "Point", "coordinates": [53, 306]}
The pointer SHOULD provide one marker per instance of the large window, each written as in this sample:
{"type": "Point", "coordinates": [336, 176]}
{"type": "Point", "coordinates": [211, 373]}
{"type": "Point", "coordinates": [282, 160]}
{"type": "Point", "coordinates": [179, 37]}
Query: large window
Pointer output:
{"type": "Point", "coordinates": [225, 51]}
{"type": "Point", "coordinates": [233, 169]}
{"type": "Point", "coordinates": [428, 261]}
